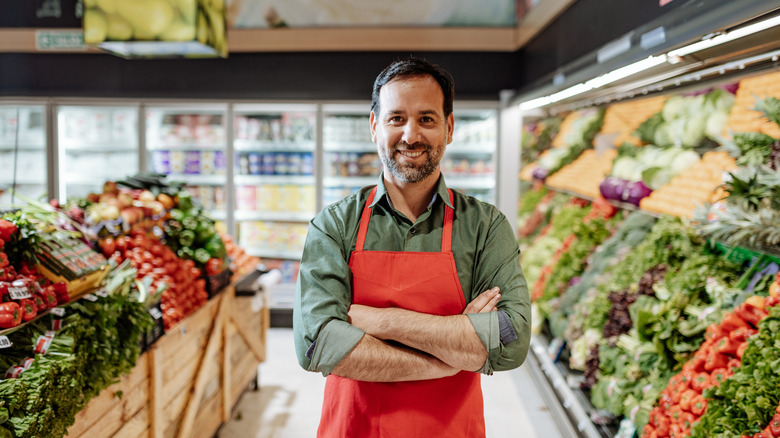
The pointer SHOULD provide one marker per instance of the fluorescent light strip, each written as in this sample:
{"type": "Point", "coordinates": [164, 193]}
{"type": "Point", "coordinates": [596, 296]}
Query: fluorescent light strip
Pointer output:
{"type": "Point", "coordinates": [724, 38]}
{"type": "Point", "coordinates": [647, 63]}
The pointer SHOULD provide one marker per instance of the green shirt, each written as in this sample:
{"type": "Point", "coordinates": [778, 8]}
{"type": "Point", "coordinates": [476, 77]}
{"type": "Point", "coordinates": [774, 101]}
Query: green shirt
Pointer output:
{"type": "Point", "coordinates": [486, 255]}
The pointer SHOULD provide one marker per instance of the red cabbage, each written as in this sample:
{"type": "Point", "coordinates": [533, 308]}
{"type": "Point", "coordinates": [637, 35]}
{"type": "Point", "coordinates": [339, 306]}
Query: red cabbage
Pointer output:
{"type": "Point", "coordinates": [539, 173]}
{"type": "Point", "coordinates": [635, 191]}
{"type": "Point", "coordinates": [612, 188]}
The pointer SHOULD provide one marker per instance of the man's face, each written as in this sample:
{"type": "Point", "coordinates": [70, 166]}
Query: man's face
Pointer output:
{"type": "Point", "coordinates": [411, 131]}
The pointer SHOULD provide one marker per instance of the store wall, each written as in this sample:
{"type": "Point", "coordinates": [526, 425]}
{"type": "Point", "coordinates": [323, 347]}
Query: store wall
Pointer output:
{"type": "Point", "coordinates": [297, 76]}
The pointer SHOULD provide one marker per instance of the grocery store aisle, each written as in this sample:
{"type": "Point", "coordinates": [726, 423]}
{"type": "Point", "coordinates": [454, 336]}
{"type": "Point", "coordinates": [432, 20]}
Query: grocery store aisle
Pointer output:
{"type": "Point", "coordinates": [288, 403]}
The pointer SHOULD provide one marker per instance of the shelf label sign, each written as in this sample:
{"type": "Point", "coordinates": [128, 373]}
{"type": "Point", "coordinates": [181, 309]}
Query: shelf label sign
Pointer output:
{"type": "Point", "coordinates": [19, 293]}
{"type": "Point", "coordinates": [5, 342]}
{"type": "Point", "coordinates": [54, 40]}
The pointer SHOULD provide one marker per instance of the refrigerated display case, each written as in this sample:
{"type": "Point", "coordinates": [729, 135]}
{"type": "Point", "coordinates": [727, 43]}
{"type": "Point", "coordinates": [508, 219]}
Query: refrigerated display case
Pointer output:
{"type": "Point", "coordinates": [95, 143]}
{"type": "Point", "coordinates": [350, 160]}
{"type": "Point", "coordinates": [469, 163]}
{"type": "Point", "coordinates": [188, 142]}
{"type": "Point", "coordinates": [274, 177]}
{"type": "Point", "coordinates": [23, 151]}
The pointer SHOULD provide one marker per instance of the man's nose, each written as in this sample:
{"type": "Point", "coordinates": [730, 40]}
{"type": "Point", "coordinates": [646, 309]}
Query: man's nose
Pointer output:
{"type": "Point", "coordinates": [412, 133]}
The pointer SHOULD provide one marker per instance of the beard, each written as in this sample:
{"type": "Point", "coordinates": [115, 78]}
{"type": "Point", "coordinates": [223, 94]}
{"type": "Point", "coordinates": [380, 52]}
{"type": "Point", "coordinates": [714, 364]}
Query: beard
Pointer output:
{"type": "Point", "coordinates": [411, 173]}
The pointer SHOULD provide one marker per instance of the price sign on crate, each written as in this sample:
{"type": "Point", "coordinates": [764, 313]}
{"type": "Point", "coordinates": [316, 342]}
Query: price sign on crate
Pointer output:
{"type": "Point", "coordinates": [5, 342]}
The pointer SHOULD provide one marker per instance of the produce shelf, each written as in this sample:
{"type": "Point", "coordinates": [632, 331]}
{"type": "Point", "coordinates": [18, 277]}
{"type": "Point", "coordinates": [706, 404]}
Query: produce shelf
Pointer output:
{"type": "Point", "coordinates": [570, 407]}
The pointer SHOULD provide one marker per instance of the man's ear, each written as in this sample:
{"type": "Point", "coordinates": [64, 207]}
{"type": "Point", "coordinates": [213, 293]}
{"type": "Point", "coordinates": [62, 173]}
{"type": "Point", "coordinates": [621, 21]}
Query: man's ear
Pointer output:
{"type": "Point", "coordinates": [450, 127]}
{"type": "Point", "coordinates": [372, 126]}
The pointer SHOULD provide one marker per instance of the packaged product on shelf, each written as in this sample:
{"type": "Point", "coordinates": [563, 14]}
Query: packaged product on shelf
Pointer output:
{"type": "Point", "coordinates": [245, 198]}
{"type": "Point", "coordinates": [192, 162]}
{"type": "Point", "coordinates": [219, 198]}
{"type": "Point", "coordinates": [220, 164]}
{"type": "Point", "coordinates": [307, 164]}
{"type": "Point", "coordinates": [294, 162]}
{"type": "Point", "coordinates": [161, 161]}
{"type": "Point", "coordinates": [207, 162]}
{"type": "Point", "coordinates": [255, 165]}
{"type": "Point", "coordinates": [178, 162]}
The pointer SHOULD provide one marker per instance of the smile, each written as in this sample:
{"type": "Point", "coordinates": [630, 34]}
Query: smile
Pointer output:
{"type": "Point", "coordinates": [411, 154]}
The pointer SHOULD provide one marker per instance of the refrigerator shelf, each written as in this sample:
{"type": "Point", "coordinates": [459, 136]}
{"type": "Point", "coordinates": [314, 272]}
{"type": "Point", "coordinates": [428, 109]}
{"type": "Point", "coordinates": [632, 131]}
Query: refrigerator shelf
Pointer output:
{"type": "Point", "coordinates": [479, 183]}
{"type": "Point", "coordinates": [7, 181]}
{"type": "Point", "coordinates": [283, 146]}
{"type": "Point", "coordinates": [195, 179]}
{"type": "Point", "coordinates": [23, 148]}
{"type": "Point", "coordinates": [353, 181]}
{"type": "Point", "coordinates": [482, 148]}
{"type": "Point", "coordinates": [273, 254]}
{"type": "Point", "coordinates": [92, 149]}
{"type": "Point", "coordinates": [349, 146]}
{"type": "Point", "coordinates": [186, 147]}
{"type": "Point", "coordinates": [273, 216]}
{"type": "Point", "coordinates": [274, 179]}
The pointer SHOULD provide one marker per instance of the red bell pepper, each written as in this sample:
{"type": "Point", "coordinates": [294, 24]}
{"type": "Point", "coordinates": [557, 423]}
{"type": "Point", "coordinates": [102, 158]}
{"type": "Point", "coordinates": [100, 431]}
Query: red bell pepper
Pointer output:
{"type": "Point", "coordinates": [741, 349]}
{"type": "Point", "coordinates": [715, 360]}
{"type": "Point", "coordinates": [719, 375]}
{"type": "Point", "coordinates": [3, 259]}
{"type": "Point", "coordinates": [696, 363]}
{"type": "Point", "coordinates": [685, 400]}
{"type": "Point", "coordinates": [29, 309]}
{"type": "Point", "coordinates": [726, 345]}
{"type": "Point", "coordinates": [701, 382]}
{"type": "Point", "coordinates": [733, 363]}
{"type": "Point", "coordinates": [741, 334]}
{"type": "Point", "coordinates": [732, 322]}
{"type": "Point", "coordinates": [7, 229]}
{"type": "Point", "coordinates": [713, 332]}
{"type": "Point", "coordinates": [750, 313]}
{"type": "Point", "coordinates": [698, 405]}
{"type": "Point", "coordinates": [10, 315]}
{"type": "Point", "coordinates": [40, 303]}
{"type": "Point", "coordinates": [48, 297]}
{"type": "Point", "coordinates": [61, 292]}
{"type": "Point", "coordinates": [686, 421]}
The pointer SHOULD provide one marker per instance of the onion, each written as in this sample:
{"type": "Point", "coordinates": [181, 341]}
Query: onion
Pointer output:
{"type": "Point", "coordinates": [635, 191]}
{"type": "Point", "coordinates": [539, 173]}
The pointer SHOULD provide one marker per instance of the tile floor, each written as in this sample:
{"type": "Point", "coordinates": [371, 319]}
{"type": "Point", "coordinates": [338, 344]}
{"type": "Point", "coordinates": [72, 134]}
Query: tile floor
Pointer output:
{"type": "Point", "coordinates": [288, 402]}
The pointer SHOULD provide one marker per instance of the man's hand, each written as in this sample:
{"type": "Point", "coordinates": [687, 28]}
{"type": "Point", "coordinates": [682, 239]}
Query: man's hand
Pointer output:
{"type": "Point", "coordinates": [366, 318]}
{"type": "Point", "coordinates": [485, 302]}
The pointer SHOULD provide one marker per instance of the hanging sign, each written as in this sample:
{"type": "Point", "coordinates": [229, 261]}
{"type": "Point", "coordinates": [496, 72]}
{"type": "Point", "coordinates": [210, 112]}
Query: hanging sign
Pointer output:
{"type": "Point", "coordinates": [53, 40]}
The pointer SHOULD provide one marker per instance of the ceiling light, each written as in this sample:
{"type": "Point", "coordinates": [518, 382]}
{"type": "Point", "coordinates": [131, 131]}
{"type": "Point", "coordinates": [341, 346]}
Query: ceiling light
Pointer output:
{"type": "Point", "coordinates": [726, 37]}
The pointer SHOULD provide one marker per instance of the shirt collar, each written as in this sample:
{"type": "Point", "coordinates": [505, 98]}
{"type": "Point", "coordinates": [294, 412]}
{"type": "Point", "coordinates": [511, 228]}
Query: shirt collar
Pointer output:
{"type": "Point", "coordinates": [441, 192]}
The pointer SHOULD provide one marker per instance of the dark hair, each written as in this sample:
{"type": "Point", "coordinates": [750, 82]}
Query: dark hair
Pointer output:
{"type": "Point", "coordinates": [415, 67]}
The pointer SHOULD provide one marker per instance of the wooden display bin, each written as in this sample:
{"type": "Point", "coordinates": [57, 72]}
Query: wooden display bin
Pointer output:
{"type": "Point", "coordinates": [188, 382]}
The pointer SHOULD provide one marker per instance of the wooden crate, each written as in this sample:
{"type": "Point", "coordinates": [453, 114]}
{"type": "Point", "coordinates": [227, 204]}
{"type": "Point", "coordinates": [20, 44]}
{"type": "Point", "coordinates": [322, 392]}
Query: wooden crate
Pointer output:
{"type": "Point", "coordinates": [188, 382]}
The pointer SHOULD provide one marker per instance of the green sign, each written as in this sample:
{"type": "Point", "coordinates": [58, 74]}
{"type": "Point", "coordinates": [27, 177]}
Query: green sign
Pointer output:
{"type": "Point", "coordinates": [59, 40]}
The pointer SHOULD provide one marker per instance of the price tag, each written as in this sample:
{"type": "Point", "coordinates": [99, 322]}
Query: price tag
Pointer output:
{"type": "Point", "coordinates": [58, 311]}
{"type": "Point", "coordinates": [42, 345]}
{"type": "Point", "coordinates": [19, 293]}
{"type": "Point", "coordinates": [156, 314]}
{"type": "Point", "coordinates": [90, 297]}
{"type": "Point", "coordinates": [5, 342]}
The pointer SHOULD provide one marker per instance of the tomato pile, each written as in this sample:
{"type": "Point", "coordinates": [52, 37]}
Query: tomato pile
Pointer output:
{"type": "Point", "coordinates": [682, 403]}
{"type": "Point", "coordinates": [186, 290]}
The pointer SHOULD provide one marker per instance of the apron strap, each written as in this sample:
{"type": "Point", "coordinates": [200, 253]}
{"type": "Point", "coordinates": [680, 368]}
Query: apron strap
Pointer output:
{"type": "Point", "coordinates": [364, 218]}
{"type": "Point", "coordinates": [446, 235]}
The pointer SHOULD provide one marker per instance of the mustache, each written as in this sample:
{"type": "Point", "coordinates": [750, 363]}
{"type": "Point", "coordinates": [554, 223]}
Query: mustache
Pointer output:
{"type": "Point", "coordinates": [402, 145]}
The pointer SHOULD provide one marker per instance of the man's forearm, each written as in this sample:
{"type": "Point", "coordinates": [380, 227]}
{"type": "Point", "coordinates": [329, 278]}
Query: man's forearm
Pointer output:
{"type": "Point", "coordinates": [451, 339]}
{"type": "Point", "coordinates": [374, 360]}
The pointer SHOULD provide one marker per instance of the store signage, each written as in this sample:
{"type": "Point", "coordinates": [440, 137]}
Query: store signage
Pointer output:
{"type": "Point", "coordinates": [5, 342]}
{"type": "Point", "coordinates": [59, 40]}
{"type": "Point", "coordinates": [19, 293]}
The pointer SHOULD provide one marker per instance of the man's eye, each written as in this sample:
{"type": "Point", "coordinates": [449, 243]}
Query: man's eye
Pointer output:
{"type": "Point", "coordinates": [396, 119]}
{"type": "Point", "coordinates": [427, 120]}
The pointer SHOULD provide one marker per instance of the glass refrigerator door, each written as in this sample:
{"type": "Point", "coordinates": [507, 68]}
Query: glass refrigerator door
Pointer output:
{"type": "Point", "coordinates": [469, 164]}
{"type": "Point", "coordinates": [274, 178]}
{"type": "Point", "coordinates": [96, 144]}
{"type": "Point", "coordinates": [189, 144]}
{"type": "Point", "coordinates": [350, 159]}
{"type": "Point", "coordinates": [22, 152]}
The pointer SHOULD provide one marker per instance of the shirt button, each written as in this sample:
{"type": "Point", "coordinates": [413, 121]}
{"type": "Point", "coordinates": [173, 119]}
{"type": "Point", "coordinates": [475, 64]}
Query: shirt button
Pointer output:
{"type": "Point", "coordinates": [413, 231]}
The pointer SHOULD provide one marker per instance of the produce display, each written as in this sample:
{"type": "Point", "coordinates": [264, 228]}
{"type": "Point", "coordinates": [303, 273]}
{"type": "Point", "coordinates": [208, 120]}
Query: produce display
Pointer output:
{"type": "Point", "coordinates": [668, 326]}
{"type": "Point", "coordinates": [576, 135]}
{"type": "Point", "coordinates": [698, 185]}
{"type": "Point", "coordinates": [584, 174]}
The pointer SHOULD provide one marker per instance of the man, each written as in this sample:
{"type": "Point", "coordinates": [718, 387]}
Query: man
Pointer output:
{"type": "Point", "coordinates": [408, 291]}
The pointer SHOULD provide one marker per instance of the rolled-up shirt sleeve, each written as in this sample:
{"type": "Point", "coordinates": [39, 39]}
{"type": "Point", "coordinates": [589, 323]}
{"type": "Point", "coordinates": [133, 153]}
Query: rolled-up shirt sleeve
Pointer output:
{"type": "Point", "coordinates": [506, 333]}
{"type": "Point", "coordinates": [322, 335]}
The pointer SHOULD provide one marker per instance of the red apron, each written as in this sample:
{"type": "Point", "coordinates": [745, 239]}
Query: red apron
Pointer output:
{"type": "Point", "coordinates": [425, 282]}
